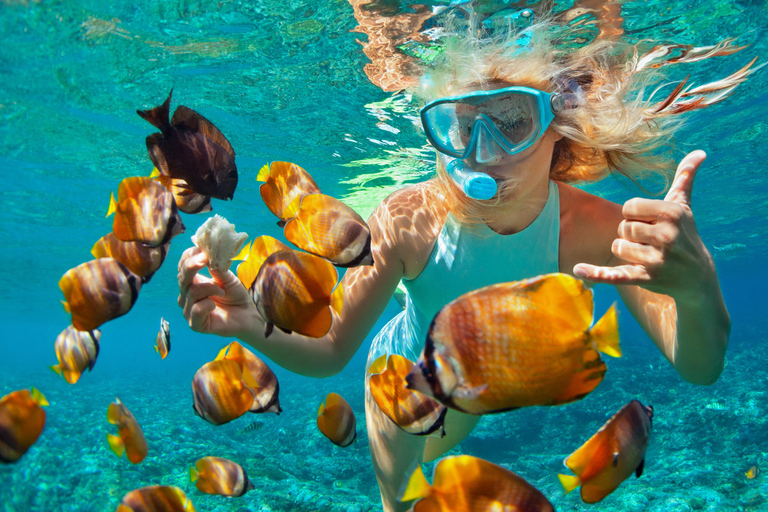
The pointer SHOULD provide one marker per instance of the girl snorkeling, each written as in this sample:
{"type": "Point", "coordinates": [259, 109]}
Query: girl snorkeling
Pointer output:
{"type": "Point", "coordinates": [535, 120]}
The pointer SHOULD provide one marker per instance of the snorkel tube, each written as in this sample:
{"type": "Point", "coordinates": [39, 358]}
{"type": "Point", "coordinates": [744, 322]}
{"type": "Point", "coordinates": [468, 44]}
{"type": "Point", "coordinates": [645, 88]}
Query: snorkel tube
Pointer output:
{"type": "Point", "coordinates": [476, 185]}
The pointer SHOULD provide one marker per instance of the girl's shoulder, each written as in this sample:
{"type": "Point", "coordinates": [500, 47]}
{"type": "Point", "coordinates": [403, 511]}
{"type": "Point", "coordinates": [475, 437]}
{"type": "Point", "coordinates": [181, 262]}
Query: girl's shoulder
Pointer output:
{"type": "Point", "coordinates": [588, 227]}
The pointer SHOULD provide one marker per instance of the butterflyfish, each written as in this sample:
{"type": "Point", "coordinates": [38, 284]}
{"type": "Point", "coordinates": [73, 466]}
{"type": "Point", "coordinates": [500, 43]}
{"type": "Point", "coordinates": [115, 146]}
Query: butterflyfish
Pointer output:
{"type": "Point", "coordinates": [145, 212]}
{"type": "Point", "coordinates": [469, 484]}
{"type": "Point", "coordinates": [140, 259]}
{"type": "Point", "coordinates": [217, 238]}
{"type": "Point", "coordinates": [296, 291]}
{"type": "Point", "coordinates": [98, 291]}
{"type": "Point", "coordinates": [611, 455]}
{"type": "Point", "coordinates": [22, 419]}
{"type": "Point", "coordinates": [216, 475]}
{"type": "Point", "coordinates": [260, 249]}
{"type": "Point", "coordinates": [130, 438]}
{"type": "Point", "coordinates": [222, 392]}
{"type": "Point", "coordinates": [189, 147]}
{"type": "Point", "coordinates": [410, 410]}
{"type": "Point", "coordinates": [326, 227]}
{"type": "Point", "coordinates": [752, 472]}
{"type": "Point", "coordinates": [283, 183]}
{"type": "Point", "coordinates": [156, 498]}
{"type": "Point", "coordinates": [336, 420]}
{"type": "Point", "coordinates": [187, 201]}
{"type": "Point", "coordinates": [76, 351]}
{"type": "Point", "coordinates": [265, 393]}
{"type": "Point", "coordinates": [516, 344]}
{"type": "Point", "coordinates": [163, 340]}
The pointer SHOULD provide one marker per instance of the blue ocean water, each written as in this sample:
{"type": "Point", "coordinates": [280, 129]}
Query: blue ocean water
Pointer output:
{"type": "Point", "coordinates": [285, 81]}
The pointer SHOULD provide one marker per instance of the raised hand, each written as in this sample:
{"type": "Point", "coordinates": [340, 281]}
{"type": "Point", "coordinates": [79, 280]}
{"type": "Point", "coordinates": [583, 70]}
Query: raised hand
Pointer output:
{"type": "Point", "coordinates": [217, 305]}
{"type": "Point", "coordinates": [658, 242]}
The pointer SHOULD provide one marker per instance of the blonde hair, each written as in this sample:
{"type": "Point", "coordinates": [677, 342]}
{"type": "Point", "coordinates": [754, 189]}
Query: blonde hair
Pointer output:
{"type": "Point", "coordinates": [617, 127]}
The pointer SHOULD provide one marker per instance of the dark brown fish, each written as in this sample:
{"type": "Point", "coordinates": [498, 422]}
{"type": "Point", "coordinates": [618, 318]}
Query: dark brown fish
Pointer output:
{"type": "Point", "coordinates": [22, 419]}
{"type": "Point", "coordinates": [76, 352]}
{"type": "Point", "coordinates": [216, 475]}
{"type": "Point", "coordinates": [98, 291]}
{"type": "Point", "coordinates": [192, 149]}
{"type": "Point", "coordinates": [145, 212]}
{"type": "Point", "coordinates": [140, 259]}
{"type": "Point", "coordinates": [156, 498]}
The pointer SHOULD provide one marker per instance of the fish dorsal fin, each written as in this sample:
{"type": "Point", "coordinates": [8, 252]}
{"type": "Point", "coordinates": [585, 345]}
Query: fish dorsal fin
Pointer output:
{"type": "Point", "coordinates": [113, 413]}
{"type": "Point", "coordinates": [223, 352]}
{"type": "Point", "coordinates": [564, 294]}
{"type": "Point", "coordinates": [158, 116]}
{"type": "Point", "coordinates": [417, 486]}
{"type": "Point", "coordinates": [261, 248]}
{"type": "Point", "coordinates": [605, 333]}
{"type": "Point", "coordinates": [192, 121]}
{"type": "Point", "coordinates": [378, 365]}
{"type": "Point", "coordinates": [639, 469]}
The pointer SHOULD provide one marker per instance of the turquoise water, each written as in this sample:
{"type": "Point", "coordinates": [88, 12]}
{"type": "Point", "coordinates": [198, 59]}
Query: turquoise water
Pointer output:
{"type": "Point", "coordinates": [285, 81]}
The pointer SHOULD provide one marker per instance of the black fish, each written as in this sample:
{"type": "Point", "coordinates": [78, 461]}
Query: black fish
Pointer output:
{"type": "Point", "coordinates": [192, 149]}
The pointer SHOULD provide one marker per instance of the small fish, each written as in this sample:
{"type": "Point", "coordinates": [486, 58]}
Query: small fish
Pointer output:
{"type": "Point", "coordinates": [336, 420]}
{"type": "Point", "coordinates": [266, 390]}
{"type": "Point", "coordinates": [221, 392]}
{"type": "Point", "coordinates": [470, 484]}
{"type": "Point", "coordinates": [156, 498]}
{"type": "Point", "coordinates": [284, 182]}
{"type": "Point", "coordinates": [215, 475]}
{"type": "Point", "coordinates": [253, 427]}
{"type": "Point", "coordinates": [130, 438]}
{"type": "Point", "coordinates": [296, 291]}
{"type": "Point", "coordinates": [192, 149]}
{"type": "Point", "coordinates": [186, 200]}
{"type": "Point", "coordinates": [98, 291]}
{"type": "Point", "coordinates": [259, 251]}
{"type": "Point", "coordinates": [475, 345]}
{"type": "Point", "coordinates": [76, 352]}
{"type": "Point", "coordinates": [22, 419]}
{"type": "Point", "coordinates": [326, 227]}
{"type": "Point", "coordinates": [752, 472]}
{"type": "Point", "coordinates": [410, 410]}
{"type": "Point", "coordinates": [140, 259]}
{"type": "Point", "coordinates": [611, 455]}
{"type": "Point", "coordinates": [145, 212]}
{"type": "Point", "coordinates": [163, 341]}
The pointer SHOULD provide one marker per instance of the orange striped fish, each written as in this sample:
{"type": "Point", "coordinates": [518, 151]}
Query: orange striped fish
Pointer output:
{"type": "Point", "coordinates": [222, 392]}
{"type": "Point", "coordinates": [336, 420]}
{"type": "Point", "coordinates": [468, 484]}
{"type": "Point", "coordinates": [145, 212]}
{"type": "Point", "coordinates": [140, 259]}
{"type": "Point", "coordinates": [98, 291]}
{"type": "Point", "coordinates": [156, 498]}
{"type": "Point", "coordinates": [296, 291]}
{"type": "Point", "coordinates": [215, 475]}
{"type": "Point", "coordinates": [610, 456]}
{"type": "Point", "coordinates": [265, 393]}
{"type": "Point", "coordinates": [22, 419]}
{"type": "Point", "coordinates": [76, 352]}
{"type": "Point", "coordinates": [283, 183]}
{"type": "Point", "coordinates": [130, 438]}
{"type": "Point", "coordinates": [326, 227]}
{"type": "Point", "coordinates": [187, 201]}
{"type": "Point", "coordinates": [163, 340]}
{"type": "Point", "coordinates": [410, 410]}
{"type": "Point", "coordinates": [514, 345]}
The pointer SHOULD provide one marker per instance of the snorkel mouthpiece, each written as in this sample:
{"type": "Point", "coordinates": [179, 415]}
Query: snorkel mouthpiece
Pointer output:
{"type": "Point", "coordinates": [476, 185]}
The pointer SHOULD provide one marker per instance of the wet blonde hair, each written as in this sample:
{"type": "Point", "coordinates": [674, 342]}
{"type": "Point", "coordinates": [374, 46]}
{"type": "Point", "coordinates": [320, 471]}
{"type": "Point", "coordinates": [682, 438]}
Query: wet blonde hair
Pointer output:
{"type": "Point", "coordinates": [617, 128]}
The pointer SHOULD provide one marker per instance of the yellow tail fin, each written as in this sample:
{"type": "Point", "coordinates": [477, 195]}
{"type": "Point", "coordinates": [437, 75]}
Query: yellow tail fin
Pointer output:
{"type": "Point", "coordinates": [39, 398]}
{"type": "Point", "coordinates": [292, 209]}
{"type": "Point", "coordinates": [56, 368]}
{"type": "Point", "coordinates": [193, 475]}
{"type": "Point", "coordinates": [243, 254]}
{"type": "Point", "coordinates": [155, 173]}
{"type": "Point", "coordinates": [263, 173]}
{"type": "Point", "coordinates": [66, 307]}
{"type": "Point", "coordinates": [417, 486]}
{"type": "Point", "coordinates": [116, 444]}
{"type": "Point", "coordinates": [569, 482]}
{"type": "Point", "coordinates": [378, 365]}
{"type": "Point", "coordinates": [112, 205]}
{"type": "Point", "coordinates": [337, 298]}
{"type": "Point", "coordinates": [605, 333]}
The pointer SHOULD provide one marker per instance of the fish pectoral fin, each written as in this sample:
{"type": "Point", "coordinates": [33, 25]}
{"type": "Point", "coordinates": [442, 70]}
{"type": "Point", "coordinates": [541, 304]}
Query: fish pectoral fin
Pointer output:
{"type": "Point", "coordinates": [469, 393]}
{"type": "Point", "coordinates": [569, 482]}
{"type": "Point", "coordinates": [639, 468]}
{"type": "Point", "coordinates": [116, 444]}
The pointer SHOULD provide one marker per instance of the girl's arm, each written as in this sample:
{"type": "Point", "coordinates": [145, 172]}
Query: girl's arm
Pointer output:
{"type": "Point", "coordinates": [667, 278]}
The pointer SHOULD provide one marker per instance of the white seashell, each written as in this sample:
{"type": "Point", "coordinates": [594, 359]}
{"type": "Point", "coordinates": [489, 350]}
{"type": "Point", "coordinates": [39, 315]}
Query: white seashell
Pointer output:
{"type": "Point", "coordinates": [218, 240]}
